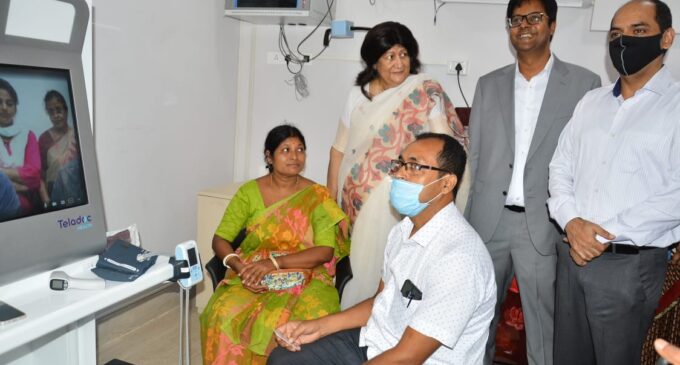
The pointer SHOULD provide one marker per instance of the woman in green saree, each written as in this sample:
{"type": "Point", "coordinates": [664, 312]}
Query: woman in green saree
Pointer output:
{"type": "Point", "coordinates": [284, 268]}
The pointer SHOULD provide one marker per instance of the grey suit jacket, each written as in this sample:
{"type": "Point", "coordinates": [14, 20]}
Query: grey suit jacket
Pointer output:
{"type": "Point", "coordinates": [492, 147]}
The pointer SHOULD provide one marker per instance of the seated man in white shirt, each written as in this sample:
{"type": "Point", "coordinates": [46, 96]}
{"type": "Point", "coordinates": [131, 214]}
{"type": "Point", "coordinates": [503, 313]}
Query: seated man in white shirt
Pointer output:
{"type": "Point", "coordinates": [437, 294]}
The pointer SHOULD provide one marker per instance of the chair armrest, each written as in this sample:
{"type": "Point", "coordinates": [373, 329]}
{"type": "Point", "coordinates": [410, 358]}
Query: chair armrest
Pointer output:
{"type": "Point", "coordinates": [215, 268]}
{"type": "Point", "coordinates": [343, 274]}
{"type": "Point", "coordinates": [216, 271]}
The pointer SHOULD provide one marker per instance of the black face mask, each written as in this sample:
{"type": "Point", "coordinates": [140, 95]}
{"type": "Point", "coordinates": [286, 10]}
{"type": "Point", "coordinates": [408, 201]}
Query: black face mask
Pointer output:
{"type": "Point", "coordinates": [631, 54]}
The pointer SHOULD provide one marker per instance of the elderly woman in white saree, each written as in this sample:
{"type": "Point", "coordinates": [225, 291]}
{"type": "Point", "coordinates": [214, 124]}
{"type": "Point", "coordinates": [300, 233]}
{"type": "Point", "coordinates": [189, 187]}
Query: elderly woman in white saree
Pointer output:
{"type": "Point", "coordinates": [390, 105]}
{"type": "Point", "coordinates": [61, 172]}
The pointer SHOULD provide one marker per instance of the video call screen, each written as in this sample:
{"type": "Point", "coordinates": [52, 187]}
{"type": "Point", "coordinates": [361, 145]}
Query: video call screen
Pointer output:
{"type": "Point", "coordinates": [41, 168]}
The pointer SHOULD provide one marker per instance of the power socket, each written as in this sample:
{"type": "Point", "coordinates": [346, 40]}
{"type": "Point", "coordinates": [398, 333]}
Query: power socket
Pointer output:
{"type": "Point", "coordinates": [451, 67]}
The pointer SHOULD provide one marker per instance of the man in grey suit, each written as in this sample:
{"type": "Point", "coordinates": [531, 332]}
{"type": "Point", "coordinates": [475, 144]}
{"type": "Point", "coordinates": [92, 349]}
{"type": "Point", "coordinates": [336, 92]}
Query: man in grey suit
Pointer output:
{"type": "Point", "coordinates": [517, 116]}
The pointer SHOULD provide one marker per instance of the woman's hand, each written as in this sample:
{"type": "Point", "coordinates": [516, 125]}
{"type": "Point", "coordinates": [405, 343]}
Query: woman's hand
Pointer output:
{"type": "Point", "coordinates": [251, 274]}
{"type": "Point", "coordinates": [255, 288]}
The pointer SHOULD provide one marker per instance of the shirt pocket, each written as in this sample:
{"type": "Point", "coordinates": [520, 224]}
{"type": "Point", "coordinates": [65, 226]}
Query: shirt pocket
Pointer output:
{"type": "Point", "coordinates": [410, 305]}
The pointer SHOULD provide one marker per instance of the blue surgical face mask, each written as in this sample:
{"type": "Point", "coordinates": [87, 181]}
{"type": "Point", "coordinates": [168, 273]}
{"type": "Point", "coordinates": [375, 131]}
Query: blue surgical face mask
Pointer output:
{"type": "Point", "coordinates": [404, 196]}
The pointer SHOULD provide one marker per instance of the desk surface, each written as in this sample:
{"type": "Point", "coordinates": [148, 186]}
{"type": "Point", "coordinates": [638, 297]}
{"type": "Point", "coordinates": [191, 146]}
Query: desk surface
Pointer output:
{"type": "Point", "coordinates": [49, 310]}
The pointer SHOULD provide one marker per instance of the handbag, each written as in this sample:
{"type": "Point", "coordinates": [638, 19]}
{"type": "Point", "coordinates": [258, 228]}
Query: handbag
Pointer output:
{"type": "Point", "coordinates": [282, 279]}
{"type": "Point", "coordinates": [286, 279]}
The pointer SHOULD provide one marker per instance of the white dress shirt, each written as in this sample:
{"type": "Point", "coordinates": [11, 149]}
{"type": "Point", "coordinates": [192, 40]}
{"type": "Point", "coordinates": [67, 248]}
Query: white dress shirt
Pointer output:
{"type": "Point", "coordinates": [528, 100]}
{"type": "Point", "coordinates": [617, 163]}
{"type": "Point", "coordinates": [447, 261]}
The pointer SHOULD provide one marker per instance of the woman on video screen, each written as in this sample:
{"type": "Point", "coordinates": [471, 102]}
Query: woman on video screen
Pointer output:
{"type": "Point", "coordinates": [19, 153]}
{"type": "Point", "coordinates": [59, 154]}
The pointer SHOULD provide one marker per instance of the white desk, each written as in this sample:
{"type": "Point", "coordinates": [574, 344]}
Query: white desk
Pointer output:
{"type": "Point", "coordinates": [59, 327]}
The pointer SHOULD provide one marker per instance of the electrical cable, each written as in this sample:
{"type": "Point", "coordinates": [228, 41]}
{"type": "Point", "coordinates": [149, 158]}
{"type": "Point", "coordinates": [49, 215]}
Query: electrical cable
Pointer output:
{"type": "Point", "coordinates": [287, 53]}
{"type": "Point", "coordinates": [327, 34]}
{"type": "Point", "coordinates": [298, 57]}
{"type": "Point", "coordinates": [300, 82]}
{"type": "Point", "coordinates": [328, 12]}
{"type": "Point", "coordinates": [458, 69]}
{"type": "Point", "coordinates": [436, 10]}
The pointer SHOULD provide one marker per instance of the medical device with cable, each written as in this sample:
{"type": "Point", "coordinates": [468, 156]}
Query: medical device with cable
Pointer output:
{"type": "Point", "coordinates": [187, 273]}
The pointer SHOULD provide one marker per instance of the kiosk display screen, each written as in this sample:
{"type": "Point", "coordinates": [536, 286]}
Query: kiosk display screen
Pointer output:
{"type": "Point", "coordinates": [41, 167]}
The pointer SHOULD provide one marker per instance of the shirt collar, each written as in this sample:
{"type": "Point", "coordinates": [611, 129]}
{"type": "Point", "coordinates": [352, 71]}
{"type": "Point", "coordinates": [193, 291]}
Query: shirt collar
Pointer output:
{"type": "Point", "coordinates": [546, 69]}
{"type": "Point", "coordinates": [658, 84]}
{"type": "Point", "coordinates": [429, 232]}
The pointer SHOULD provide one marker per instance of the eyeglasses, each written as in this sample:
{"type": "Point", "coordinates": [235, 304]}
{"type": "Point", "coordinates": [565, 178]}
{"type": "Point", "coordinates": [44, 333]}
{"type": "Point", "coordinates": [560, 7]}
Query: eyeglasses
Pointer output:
{"type": "Point", "coordinates": [531, 18]}
{"type": "Point", "coordinates": [396, 165]}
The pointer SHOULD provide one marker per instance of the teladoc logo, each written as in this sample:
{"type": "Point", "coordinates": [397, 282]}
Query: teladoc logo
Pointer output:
{"type": "Point", "coordinates": [81, 222]}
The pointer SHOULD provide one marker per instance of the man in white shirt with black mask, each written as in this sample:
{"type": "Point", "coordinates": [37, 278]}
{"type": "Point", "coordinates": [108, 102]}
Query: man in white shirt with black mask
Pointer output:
{"type": "Point", "coordinates": [615, 189]}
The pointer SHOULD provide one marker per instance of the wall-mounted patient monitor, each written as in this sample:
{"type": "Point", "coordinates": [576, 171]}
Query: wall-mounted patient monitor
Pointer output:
{"type": "Point", "coordinates": [51, 210]}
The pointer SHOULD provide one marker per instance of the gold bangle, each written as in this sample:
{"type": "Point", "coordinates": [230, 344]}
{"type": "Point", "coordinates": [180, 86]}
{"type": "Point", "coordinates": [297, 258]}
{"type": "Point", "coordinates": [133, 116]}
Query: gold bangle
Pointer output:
{"type": "Point", "coordinates": [276, 264]}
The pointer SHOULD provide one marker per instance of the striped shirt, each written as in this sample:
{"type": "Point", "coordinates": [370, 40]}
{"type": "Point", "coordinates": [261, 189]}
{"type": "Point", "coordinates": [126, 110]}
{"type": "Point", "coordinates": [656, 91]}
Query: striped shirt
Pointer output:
{"type": "Point", "coordinates": [617, 163]}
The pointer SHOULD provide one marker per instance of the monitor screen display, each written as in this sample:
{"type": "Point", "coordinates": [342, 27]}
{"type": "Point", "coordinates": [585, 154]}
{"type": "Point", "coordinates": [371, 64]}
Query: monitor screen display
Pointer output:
{"type": "Point", "coordinates": [193, 260]}
{"type": "Point", "coordinates": [266, 4]}
{"type": "Point", "coordinates": [41, 167]}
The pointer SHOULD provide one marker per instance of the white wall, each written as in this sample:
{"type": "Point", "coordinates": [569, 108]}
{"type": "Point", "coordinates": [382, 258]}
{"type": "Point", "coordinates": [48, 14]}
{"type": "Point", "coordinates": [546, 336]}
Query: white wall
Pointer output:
{"type": "Point", "coordinates": [165, 94]}
{"type": "Point", "coordinates": [167, 81]}
{"type": "Point", "coordinates": [472, 32]}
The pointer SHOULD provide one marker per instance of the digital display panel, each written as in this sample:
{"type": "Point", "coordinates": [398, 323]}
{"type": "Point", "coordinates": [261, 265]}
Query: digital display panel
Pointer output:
{"type": "Point", "coordinates": [266, 4]}
{"type": "Point", "coordinates": [192, 256]}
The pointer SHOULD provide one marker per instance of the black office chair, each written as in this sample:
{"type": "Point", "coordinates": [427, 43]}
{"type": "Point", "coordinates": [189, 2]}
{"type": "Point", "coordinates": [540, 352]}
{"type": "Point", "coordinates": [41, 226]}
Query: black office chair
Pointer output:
{"type": "Point", "coordinates": [215, 269]}
{"type": "Point", "coordinates": [343, 269]}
